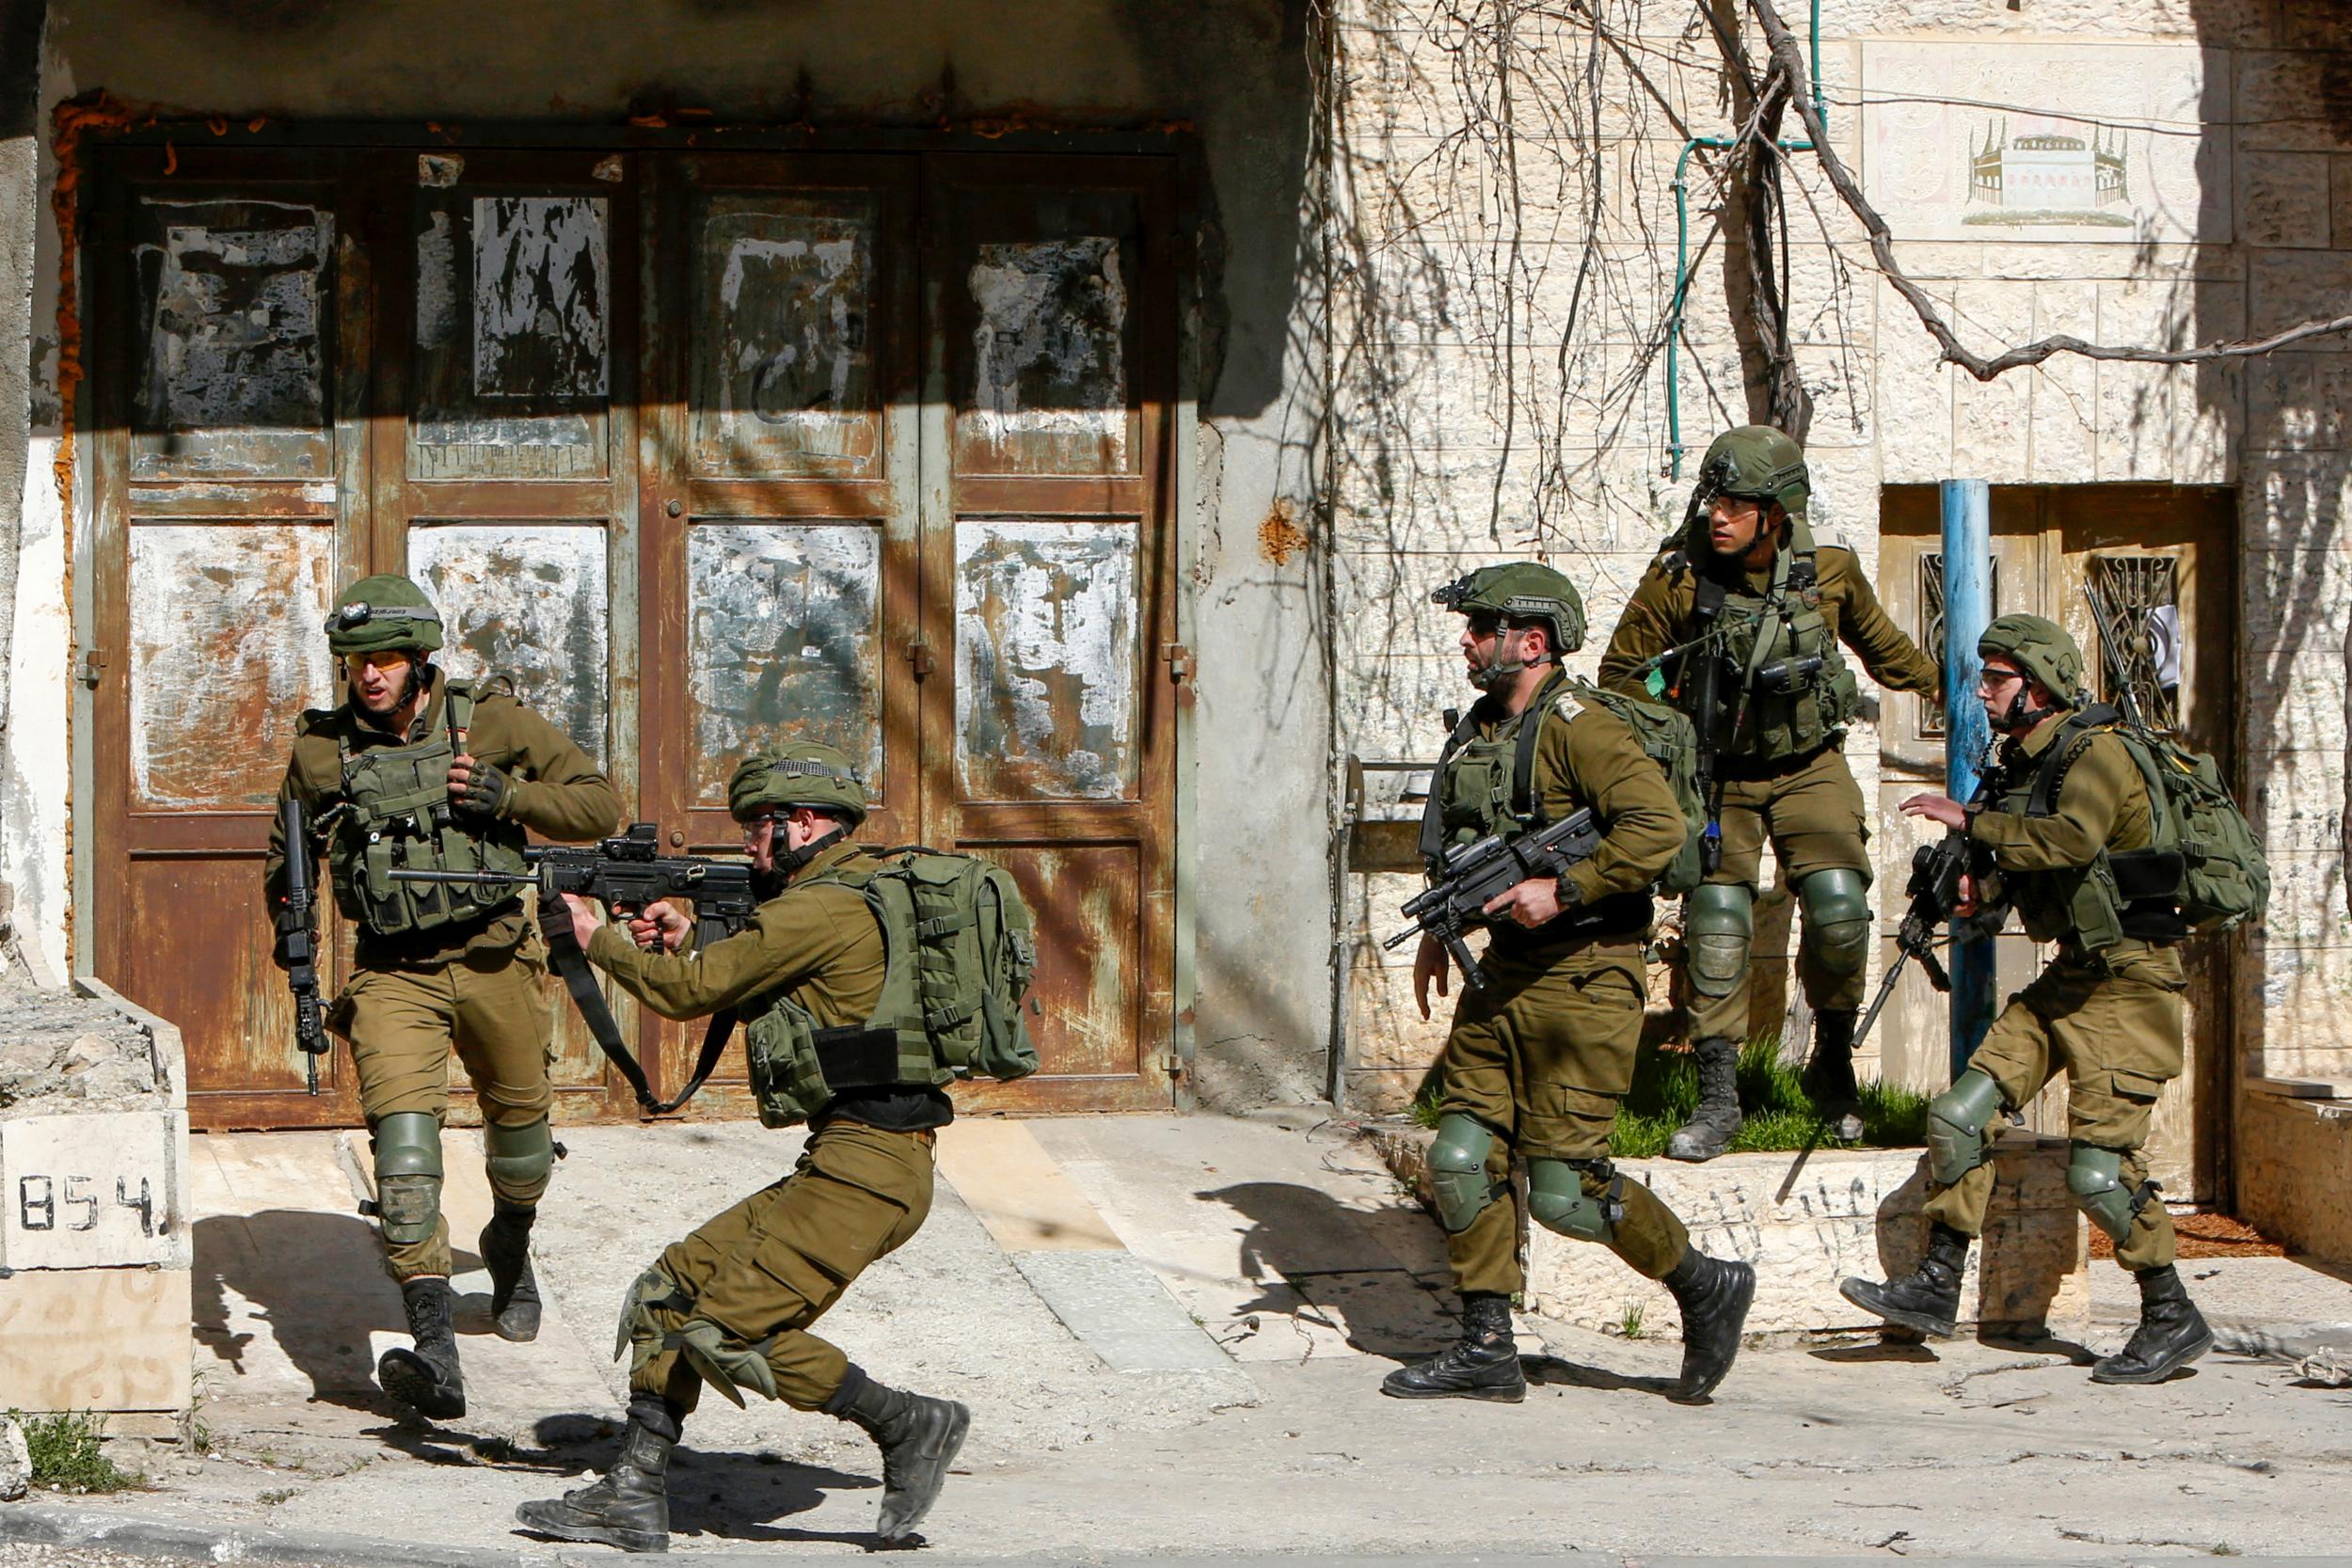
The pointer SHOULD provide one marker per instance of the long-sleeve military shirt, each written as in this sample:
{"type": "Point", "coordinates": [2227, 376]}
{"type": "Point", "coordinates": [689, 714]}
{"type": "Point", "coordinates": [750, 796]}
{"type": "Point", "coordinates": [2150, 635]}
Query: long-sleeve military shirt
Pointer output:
{"type": "Point", "coordinates": [818, 943]}
{"type": "Point", "coordinates": [553, 789]}
{"type": "Point", "coordinates": [2103, 806]}
{"type": "Point", "coordinates": [1586, 756]}
{"type": "Point", "coordinates": [1661, 615]}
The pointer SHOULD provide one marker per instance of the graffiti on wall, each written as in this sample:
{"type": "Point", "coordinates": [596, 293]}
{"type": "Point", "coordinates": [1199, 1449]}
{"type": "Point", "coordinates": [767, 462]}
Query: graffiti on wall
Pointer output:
{"type": "Point", "coordinates": [523, 606]}
{"type": "Point", "coordinates": [783, 368]}
{"type": "Point", "coordinates": [1049, 391]}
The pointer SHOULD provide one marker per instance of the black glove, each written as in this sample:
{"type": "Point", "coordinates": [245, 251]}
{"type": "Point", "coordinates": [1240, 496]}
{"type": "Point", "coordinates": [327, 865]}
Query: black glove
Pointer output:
{"type": "Point", "coordinates": [486, 791]}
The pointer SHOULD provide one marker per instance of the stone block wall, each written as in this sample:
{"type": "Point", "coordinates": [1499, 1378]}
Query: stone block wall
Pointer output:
{"type": "Point", "coordinates": [1505, 275]}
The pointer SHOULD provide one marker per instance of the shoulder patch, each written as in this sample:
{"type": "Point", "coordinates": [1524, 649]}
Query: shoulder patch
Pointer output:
{"type": "Point", "coordinates": [1568, 706]}
{"type": "Point", "coordinates": [314, 719]}
{"type": "Point", "coordinates": [1826, 537]}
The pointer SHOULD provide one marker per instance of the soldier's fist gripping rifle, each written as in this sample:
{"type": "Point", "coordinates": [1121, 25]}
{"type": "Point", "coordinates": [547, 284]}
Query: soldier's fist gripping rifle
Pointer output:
{"type": "Point", "coordinates": [1472, 876]}
{"type": "Point", "coordinates": [1937, 871]}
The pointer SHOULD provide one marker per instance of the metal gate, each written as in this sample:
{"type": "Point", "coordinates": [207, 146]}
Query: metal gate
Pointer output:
{"type": "Point", "coordinates": [698, 451]}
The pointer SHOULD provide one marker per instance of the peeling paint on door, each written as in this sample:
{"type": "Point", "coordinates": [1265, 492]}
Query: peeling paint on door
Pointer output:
{"type": "Point", "coordinates": [783, 374]}
{"type": "Point", "coordinates": [1045, 659]}
{"type": "Point", "coordinates": [232, 379]}
{"type": "Point", "coordinates": [226, 652]}
{"type": "Point", "coordinates": [784, 643]}
{"type": "Point", "coordinates": [527, 602]}
{"type": "Point", "coordinates": [1049, 391]}
{"type": "Point", "coordinates": [512, 357]}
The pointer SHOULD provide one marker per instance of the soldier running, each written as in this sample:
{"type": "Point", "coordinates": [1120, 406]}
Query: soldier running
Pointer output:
{"type": "Point", "coordinates": [732, 1304]}
{"type": "Point", "coordinates": [2069, 817]}
{"type": "Point", "coordinates": [1740, 617]}
{"type": "Point", "coordinates": [1539, 1060]}
{"type": "Point", "coordinates": [416, 772]}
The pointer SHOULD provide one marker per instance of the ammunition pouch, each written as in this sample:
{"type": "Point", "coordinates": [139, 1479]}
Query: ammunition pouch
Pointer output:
{"type": "Point", "coordinates": [1836, 912]}
{"type": "Point", "coordinates": [1556, 1199]}
{"type": "Point", "coordinates": [409, 1177]}
{"type": "Point", "coordinates": [1718, 924]}
{"type": "Point", "coordinates": [1458, 1171]}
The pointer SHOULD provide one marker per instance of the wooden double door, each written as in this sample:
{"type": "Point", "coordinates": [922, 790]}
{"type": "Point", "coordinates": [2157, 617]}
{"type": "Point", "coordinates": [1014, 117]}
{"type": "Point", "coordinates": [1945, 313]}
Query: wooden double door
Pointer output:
{"type": "Point", "coordinates": [2161, 560]}
{"type": "Point", "coordinates": [700, 453]}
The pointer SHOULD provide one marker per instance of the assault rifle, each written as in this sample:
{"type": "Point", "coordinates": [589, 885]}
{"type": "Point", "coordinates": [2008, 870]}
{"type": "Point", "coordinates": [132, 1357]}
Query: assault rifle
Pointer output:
{"type": "Point", "coordinates": [625, 873]}
{"type": "Point", "coordinates": [298, 940]}
{"type": "Point", "coordinates": [1934, 891]}
{"type": "Point", "coordinates": [1472, 875]}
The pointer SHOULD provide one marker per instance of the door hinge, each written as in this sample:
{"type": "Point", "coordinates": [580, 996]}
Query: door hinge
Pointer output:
{"type": "Point", "coordinates": [919, 655]}
{"type": "Point", "coordinates": [1179, 659]}
{"type": "Point", "coordinates": [1172, 1065]}
{"type": "Point", "coordinates": [93, 667]}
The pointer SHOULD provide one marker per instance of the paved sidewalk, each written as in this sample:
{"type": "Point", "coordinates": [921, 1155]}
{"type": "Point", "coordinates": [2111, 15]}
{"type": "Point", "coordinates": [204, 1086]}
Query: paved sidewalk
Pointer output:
{"type": "Point", "coordinates": [1171, 1331]}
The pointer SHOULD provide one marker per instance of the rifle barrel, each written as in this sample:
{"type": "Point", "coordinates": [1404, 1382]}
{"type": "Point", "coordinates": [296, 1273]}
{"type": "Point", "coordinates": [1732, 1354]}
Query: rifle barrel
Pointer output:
{"type": "Point", "coordinates": [485, 878]}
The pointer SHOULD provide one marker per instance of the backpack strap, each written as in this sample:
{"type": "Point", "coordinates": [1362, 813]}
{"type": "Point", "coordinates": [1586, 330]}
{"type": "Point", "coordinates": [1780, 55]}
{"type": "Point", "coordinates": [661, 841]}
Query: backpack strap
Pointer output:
{"type": "Point", "coordinates": [1523, 803]}
{"type": "Point", "coordinates": [2072, 736]}
{"type": "Point", "coordinates": [457, 710]}
{"type": "Point", "coordinates": [1432, 811]}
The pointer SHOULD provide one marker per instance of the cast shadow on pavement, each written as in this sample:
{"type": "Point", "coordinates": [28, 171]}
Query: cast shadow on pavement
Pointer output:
{"type": "Point", "coordinates": [1365, 1274]}
{"type": "Point", "coordinates": [1554, 1371]}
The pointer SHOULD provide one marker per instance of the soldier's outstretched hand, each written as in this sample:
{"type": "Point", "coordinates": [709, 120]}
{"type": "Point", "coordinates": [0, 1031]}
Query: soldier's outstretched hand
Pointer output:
{"type": "Point", "coordinates": [1429, 963]}
{"type": "Point", "coordinates": [1938, 807]}
{"type": "Point", "coordinates": [585, 920]}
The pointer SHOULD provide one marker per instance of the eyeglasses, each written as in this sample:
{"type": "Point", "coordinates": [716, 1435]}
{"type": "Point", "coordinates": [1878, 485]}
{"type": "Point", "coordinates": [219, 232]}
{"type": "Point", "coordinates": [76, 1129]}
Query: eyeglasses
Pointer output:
{"type": "Point", "coordinates": [382, 659]}
{"type": "Point", "coordinates": [755, 826]}
{"type": "Point", "coordinates": [1485, 623]}
{"type": "Point", "coordinates": [1990, 679]}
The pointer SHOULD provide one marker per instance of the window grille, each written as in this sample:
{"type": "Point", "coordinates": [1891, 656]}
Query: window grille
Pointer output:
{"type": "Point", "coordinates": [1931, 724]}
{"type": "Point", "coordinates": [2139, 596]}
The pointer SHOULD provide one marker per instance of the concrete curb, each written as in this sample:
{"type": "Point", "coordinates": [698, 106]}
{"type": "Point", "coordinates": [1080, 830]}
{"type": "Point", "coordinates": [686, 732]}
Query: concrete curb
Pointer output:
{"type": "Point", "coordinates": [41, 1525]}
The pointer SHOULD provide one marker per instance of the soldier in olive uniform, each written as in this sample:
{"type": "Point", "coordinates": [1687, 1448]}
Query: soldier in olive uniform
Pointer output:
{"type": "Point", "coordinates": [1747, 607]}
{"type": "Point", "coordinates": [2066, 827]}
{"type": "Point", "coordinates": [1537, 1061]}
{"type": "Point", "coordinates": [731, 1305]}
{"type": "Point", "coordinates": [416, 772]}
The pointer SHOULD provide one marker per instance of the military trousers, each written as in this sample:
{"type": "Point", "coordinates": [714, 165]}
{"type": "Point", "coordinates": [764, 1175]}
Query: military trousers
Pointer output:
{"type": "Point", "coordinates": [402, 1024]}
{"type": "Point", "coordinates": [2112, 1023]}
{"type": "Point", "coordinates": [1812, 815]}
{"type": "Point", "coordinates": [768, 1268]}
{"type": "Point", "coordinates": [1541, 1058]}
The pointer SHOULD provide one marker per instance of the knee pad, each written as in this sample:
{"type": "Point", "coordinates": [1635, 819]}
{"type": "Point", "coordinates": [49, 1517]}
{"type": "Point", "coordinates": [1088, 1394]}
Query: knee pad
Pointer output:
{"type": "Point", "coordinates": [641, 1333]}
{"type": "Point", "coordinates": [518, 1158]}
{"type": "Point", "coordinates": [1835, 907]}
{"type": "Point", "coordinates": [409, 1176]}
{"type": "Point", "coordinates": [2095, 1176]}
{"type": "Point", "coordinates": [1458, 1171]}
{"type": "Point", "coordinates": [1718, 920]}
{"type": "Point", "coordinates": [1956, 1122]}
{"type": "Point", "coordinates": [1556, 1199]}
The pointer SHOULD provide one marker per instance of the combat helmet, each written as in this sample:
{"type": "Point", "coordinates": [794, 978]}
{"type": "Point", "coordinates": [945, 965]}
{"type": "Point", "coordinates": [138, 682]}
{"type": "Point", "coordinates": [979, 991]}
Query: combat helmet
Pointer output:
{"type": "Point", "coordinates": [797, 773]}
{"type": "Point", "coordinates": [383, 612]}
{"type": "Point", "coordinates": [1758, 462]}
{"type": "Point", "coordinates": [1521, 591]}
{"type": "Point", "coordinates": [2041, 649]}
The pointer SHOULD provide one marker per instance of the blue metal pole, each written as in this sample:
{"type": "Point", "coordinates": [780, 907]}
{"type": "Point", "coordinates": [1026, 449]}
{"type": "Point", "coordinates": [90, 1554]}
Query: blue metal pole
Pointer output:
{"type": "Point", "coordinates": [1967, 611]}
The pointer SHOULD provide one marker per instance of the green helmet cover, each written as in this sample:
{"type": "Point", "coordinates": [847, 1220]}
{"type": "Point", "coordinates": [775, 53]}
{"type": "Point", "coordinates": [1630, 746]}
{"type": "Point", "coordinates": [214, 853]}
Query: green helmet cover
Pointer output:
{"type": "Point", "coordinates": [2040, 648]}
{"type": "Point", "coordinates": [1758, 462]}
{"type": "Point", "coordinates": [800, 774]}
{"type": "Point", "coordinates": [1521, 591]}
{"type": "Point", "coordinates": [384, 611]}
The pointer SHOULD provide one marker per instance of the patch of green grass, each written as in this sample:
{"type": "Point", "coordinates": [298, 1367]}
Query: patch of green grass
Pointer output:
{"type": "Point", "coordinates": [1426, 1103]}
{"type": "Point", "coordinates": [1779, 1115]}
{"type": "Point", "coordinates": [277, 1495]}
{"type": "Point", "coordinates": [1630, 1324]}
{"type": "Point", "coordinates": [68, 1454]}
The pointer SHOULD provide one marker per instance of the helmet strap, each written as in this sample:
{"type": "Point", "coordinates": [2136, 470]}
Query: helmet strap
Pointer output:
{"type": "Point", "coordinates": [2022, 716]}
{"type": "Point", "coordinates": [792, 860]}
{"type": "Point", "coordinates": [1496, 671]}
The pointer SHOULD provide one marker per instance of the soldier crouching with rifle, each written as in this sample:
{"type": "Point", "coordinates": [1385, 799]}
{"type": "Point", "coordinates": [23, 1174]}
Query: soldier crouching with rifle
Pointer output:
{"type": "Point", "coordinates": [415, 772]}
{"type": "Point", "coordinates": [831, 1043]}
{"type": "Point", "coordinates": [1543, 1041]}
{"type": "Point", "coordinates": [2070, 815]}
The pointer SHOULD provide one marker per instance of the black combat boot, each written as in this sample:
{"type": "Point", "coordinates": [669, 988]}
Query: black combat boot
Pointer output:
{"type": "Point", "coordinates": [1927, 1298]}
{"type": "Point", "coordinates": [918, 1437]}
{"type": "Point", "coordinates": [1483, 1365]}
{"type": "Point", "coordinates": [1829, 1081]}
{"type": "Point", "coordinates": [2171, 1333]}
{"type": "Point", "coordinates": [629, 1506]}
{"type": "Point", "coordinates": [1717, 1120]}
{"type": "Point", "coordinates": [1714, 1296]}
{"type": "Point", "coordinates": [505, 1247]}
{"type": "Point", "coordinates": [426, 1379]}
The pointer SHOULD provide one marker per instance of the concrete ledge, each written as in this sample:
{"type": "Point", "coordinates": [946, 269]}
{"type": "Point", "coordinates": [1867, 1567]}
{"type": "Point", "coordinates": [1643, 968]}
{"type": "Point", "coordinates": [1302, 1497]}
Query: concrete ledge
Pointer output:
{"type": "Point", "coordinates": [1807, 1221]}
{"type": "Point", "coordinates": [2294, 1172]}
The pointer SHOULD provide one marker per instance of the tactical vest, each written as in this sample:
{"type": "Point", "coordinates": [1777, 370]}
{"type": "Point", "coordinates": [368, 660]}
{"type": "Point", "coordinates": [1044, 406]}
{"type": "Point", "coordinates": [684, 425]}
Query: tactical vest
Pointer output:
{"type": "Point", "coordinates": [1785, 691]}
{"type": "Point", "coordinates": [959, 953]}
{"type": "Point", "coordinates": [394, 815]}
{"type": "Point", "coordinates": [1486, 785]}
{"type": "Point", "coordinates": [2126, 894]}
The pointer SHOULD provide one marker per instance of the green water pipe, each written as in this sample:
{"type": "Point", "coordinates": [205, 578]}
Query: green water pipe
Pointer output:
{"type": "Point", "coordinates": [1682, 249]}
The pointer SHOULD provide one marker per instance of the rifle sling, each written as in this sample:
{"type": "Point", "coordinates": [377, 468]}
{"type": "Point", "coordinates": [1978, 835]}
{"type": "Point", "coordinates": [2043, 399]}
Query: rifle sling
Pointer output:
{"type": "Point", "coordinates": [564, 954]}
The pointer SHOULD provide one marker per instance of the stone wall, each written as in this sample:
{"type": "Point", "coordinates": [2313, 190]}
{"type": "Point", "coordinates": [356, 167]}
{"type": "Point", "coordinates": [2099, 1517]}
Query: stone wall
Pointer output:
{"type": "Point", "coordinates": [1508, 271]}
{"type": "Point", "coordinates": [2294, 1172]}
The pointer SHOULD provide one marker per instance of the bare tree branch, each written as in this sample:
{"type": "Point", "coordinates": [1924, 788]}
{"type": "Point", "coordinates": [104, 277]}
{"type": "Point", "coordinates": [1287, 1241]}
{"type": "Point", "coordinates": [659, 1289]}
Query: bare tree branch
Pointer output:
{"type": "Point", "coordinates": [1790, 60]}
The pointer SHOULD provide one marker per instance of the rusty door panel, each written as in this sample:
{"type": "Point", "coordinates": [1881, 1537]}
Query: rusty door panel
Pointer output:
{"type": "Point", "coordinates": [1047, 628]}
{"type": "Point", "coordinates": [211, 597]}
{"type": "Point", "coordinates": [1046, 568]}
{"type": "Point", "coordinates": [524, 606]}
{"type": "Point", "coordinates": [234, 306]}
